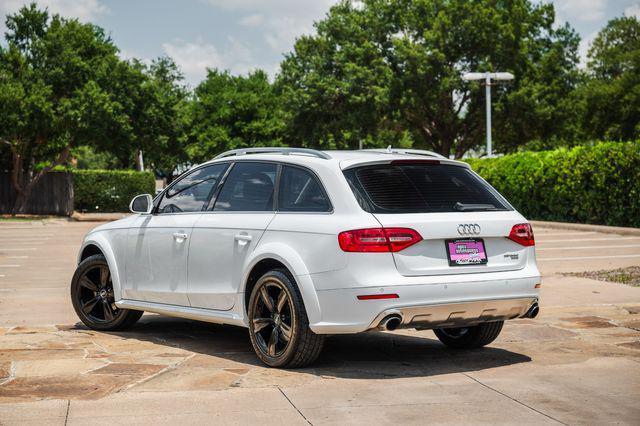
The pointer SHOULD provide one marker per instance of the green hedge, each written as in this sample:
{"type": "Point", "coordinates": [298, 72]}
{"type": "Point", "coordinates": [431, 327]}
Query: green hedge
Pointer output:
{"type": "Point", "coordinates": [586, 184]}
{"type": "Point", "coordinates": [109, 190]}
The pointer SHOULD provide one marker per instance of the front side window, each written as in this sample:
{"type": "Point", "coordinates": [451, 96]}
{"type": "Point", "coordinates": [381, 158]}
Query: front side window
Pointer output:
{"type": "Point", "coordinates": [249, 187]}
{"type": "Point", "coordinates": [193, 192]}
{"type": "Point", "coordinates": [421, 188]}
{"type": "Point", "coordinates": [300, 191]}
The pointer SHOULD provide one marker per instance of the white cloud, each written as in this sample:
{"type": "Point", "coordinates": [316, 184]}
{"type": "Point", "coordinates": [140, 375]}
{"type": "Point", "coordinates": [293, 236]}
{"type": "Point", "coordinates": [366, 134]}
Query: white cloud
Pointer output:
{"type": "Point", "coordinates": [280, 21]}
{"type": "Point", "coordinates": [633, 10]}
{"type": "Point", "coordinates": [252, 20]}
{"type": "Point", "coordinates": [581, 10]}
{"type": "Point", "coordinates": [584, 46]}
{"type": "Point", "coordinates": [194, 57]}
{"type": "Point", "coordinates": [84, 10]}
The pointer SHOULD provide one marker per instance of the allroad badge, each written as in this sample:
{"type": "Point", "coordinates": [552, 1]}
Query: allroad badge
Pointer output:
{"type": "Point", "coordinates": [469, 229]}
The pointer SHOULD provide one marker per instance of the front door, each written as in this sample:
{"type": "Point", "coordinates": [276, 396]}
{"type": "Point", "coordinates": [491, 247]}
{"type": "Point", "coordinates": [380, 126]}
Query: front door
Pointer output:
{"type": "Point", "coordinates": [222, 238]}
{"type": "Point", "coordinates": [158, 244]}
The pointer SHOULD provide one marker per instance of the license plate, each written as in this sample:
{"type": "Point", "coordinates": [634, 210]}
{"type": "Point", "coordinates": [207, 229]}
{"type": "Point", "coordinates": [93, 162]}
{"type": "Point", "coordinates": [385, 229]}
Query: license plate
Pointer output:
{"type": "Point", "coordinates": [466, 252]}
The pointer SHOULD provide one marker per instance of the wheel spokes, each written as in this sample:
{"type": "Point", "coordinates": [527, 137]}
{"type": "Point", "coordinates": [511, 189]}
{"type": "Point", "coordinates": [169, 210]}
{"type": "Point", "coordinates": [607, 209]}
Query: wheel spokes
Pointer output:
{"type": "Point", "coordinates": [260, 323]}
{"type": "Point", "coordinates": [104, 276]}
{"type": "Point", "coordinates": [87, 283]}
{"type": "Point", "coordinates": [88, 306]}
{"type": "Point", "coordinates": [282, 300]}
{"type": "Point", "coordinates": [266, 299]}
{"type": "Point", "coordinates": [273, 340]}
{"type": "Point", "coordinates": [108, 313]}
{"type": "Point", "coordinates": [285, 332]}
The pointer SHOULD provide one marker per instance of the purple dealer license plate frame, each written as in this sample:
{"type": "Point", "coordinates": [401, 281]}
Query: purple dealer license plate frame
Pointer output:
{"type": "Point", "coordinates": [466, 252]}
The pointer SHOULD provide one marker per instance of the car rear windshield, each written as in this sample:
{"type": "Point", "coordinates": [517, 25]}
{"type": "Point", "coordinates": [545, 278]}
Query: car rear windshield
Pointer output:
{"type": "Point", "coordinates": [421, 188]}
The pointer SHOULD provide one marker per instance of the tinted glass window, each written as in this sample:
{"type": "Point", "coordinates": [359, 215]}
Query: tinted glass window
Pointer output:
{"type": "Point", "coordinates": [300, 191]}
{"type": "Point", "coordinates": [421, 188]}
{"type": "Point", "coordinates": [249, 187]}
{"type": "Point", "coordinates": [193, 192]}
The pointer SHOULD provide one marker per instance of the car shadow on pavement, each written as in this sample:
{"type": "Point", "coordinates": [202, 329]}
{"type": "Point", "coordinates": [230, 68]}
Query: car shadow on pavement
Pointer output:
{"type": "Point", "coordinates": [362, 356]}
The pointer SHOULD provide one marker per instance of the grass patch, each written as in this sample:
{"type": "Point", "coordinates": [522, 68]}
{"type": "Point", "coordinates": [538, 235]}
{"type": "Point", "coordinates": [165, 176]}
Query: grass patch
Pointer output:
{"type": "Point", "coordinates": [629, 276]}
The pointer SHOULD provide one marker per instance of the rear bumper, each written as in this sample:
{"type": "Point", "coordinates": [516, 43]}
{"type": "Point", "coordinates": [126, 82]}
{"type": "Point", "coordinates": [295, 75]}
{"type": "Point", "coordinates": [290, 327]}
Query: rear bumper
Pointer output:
{"type": "Point", "coordinates": [423, 306]}
{"type": "Point", "coordinates": [457, 314]}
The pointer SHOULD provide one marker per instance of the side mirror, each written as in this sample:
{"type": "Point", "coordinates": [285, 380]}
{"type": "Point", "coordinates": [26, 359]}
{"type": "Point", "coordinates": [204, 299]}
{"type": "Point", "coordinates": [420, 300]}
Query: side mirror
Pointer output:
{"type": "Point", "coordinates": [141, 204]}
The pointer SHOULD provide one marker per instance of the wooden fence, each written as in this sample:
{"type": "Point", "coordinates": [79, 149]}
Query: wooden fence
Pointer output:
{"type": "Point", "coordinates": [53, 194]}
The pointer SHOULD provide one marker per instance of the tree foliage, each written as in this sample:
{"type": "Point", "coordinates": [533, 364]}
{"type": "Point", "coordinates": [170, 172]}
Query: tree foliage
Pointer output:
{"type": "Point", "coordinates": [612, 92]}
{"type": "Point", "coordinates": [52, 77]}
{"type": "Point", "coordinates": [229, 112]}
{"type": "Point", "coordinates": [382, 69]}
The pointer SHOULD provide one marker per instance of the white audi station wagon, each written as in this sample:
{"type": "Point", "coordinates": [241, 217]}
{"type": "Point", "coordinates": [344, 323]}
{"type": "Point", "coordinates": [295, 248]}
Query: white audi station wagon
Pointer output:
{"type": "Point", "coordinates": [297, 244]}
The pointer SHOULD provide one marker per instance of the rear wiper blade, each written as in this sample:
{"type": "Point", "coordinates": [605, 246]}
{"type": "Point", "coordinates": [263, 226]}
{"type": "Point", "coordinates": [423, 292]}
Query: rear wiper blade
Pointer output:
{"type": "Point", "coordinates": [473, 207]}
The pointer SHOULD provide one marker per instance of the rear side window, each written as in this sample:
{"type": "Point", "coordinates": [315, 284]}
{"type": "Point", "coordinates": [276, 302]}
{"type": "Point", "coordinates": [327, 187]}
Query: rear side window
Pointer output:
{"type": "Point", "coordinates": [421, 188]}
{"type": "Point", "coordinates": [249, 187]}
{"type": "Point", "coordinates": [192, 192]}
{"type": "Point", "coordinates": [300, 191]}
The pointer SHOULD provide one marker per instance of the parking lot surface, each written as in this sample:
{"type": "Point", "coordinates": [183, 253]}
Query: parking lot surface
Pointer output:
{"type": "Point", "coordinates": [578, 362]}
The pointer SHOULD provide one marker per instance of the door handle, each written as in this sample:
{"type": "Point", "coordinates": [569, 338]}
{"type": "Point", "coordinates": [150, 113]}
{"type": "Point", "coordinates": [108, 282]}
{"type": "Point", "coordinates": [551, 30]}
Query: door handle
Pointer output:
{"type": "Point", "coordinates": [243, 238]}
{"type": "Point", "coordinates": [180, 237]}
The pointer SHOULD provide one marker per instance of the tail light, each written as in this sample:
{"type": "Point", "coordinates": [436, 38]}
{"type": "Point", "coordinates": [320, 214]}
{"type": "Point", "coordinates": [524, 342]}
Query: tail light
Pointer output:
{"type": "Point", "coordinates": [378, 239]}
{"type": "Point", "coordinates": [522, 234]}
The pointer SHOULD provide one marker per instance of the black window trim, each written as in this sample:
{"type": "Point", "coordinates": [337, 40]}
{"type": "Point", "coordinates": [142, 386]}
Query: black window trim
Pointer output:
{"type": "Point", "coordinates": [223, 179]}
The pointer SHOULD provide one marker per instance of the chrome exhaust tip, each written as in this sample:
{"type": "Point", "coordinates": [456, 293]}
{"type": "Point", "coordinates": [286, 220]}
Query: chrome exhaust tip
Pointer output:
{"type": "Point", "coordinates": [390, 322]}
{"type": "Point", "coordinates": [533, 311]}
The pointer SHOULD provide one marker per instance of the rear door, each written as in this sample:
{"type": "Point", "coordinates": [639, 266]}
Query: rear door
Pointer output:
{"type": "Point", "coordinates": [223, 237]}
{"type": "Point", "coordinates": [462, 220]}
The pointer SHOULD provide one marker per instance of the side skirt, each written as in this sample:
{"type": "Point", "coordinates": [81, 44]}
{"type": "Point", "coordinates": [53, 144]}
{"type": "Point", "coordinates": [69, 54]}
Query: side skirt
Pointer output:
{"type": "Point", "coordinates": [199, 314]}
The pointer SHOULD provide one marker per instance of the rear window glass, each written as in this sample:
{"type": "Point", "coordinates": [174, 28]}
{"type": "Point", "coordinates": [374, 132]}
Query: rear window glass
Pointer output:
{"type": "Point", "coordinates": [421, 188]}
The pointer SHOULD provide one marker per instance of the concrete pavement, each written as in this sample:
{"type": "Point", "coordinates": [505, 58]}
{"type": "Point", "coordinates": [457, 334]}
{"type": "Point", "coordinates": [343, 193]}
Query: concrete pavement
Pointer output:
{"type": "Point", "coordinates": [579, 362]}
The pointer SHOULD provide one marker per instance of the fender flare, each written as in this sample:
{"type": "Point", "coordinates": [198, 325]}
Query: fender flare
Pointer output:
{"type": "Point", "coordinates": [99, 240]}
{"type": "Point", "coordinates": [294, 263]}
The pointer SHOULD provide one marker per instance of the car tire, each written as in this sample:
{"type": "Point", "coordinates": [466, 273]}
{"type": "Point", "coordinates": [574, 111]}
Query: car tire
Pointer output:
{"type": "Point", "coordinates": [93, 299]}
{"type": "Point", "coordinates": [278, 323]}
{"type": "Point", "coordinates": [470, 337]}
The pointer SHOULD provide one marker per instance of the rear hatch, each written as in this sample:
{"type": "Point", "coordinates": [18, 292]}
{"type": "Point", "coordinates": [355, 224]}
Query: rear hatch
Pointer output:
{"type": "Point", "coordinates": [464, 223]}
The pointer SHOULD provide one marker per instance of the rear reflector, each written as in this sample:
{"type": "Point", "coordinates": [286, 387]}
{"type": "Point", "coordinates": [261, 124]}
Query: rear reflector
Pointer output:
{"type": "Point", "coordinates": [378, 239]}
{"type": "Point", "coordinates": [522, 234]}
{"type": "Point", "coordinates": [378, 296]}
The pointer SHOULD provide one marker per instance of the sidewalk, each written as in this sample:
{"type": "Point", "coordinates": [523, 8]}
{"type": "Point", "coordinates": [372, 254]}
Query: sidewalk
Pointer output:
{"type": "Point", "coordinates": [97, 217]}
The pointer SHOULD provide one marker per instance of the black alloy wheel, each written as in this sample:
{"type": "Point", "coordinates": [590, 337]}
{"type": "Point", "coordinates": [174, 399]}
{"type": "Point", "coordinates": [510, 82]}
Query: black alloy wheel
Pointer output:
{"type": "Point", "coordinates": [278, 323]}
{"type": "Point", "coordinates": [272, 323]}
{"type": "Point", "coordinates": [471, 337]}
{"type": "Point", "coordinates": [93, 297]}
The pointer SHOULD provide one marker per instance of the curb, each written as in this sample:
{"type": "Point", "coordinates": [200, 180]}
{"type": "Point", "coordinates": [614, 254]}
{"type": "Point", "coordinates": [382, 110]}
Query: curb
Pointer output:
{"type": "Point", "coordinates": [621, 230]}
{"type": "Point", "coordinates": [97, 217]}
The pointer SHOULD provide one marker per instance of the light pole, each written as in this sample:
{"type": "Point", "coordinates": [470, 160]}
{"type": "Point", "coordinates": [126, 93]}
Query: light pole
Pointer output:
{"type": "Point", "coordinates": [487, 77]}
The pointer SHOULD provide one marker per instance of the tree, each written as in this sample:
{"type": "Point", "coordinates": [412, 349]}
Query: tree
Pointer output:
{"type": "Point", "coordinates": [52, 77]}
{"type": "Point", "coordinates": [382, 70]}
{"type": "Point", "coordinates": [612, 94]}
{"type": "Point", "coordinates": [230, 112]}
{"type": "Point", "coordinates": [153, 100]}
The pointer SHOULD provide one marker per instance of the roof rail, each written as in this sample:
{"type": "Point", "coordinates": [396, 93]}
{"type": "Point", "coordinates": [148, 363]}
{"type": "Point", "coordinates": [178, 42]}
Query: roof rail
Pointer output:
{"type": "Point", "coordinates": [275, 150]}
{"type": "Point", "coordinates": [390, 150]}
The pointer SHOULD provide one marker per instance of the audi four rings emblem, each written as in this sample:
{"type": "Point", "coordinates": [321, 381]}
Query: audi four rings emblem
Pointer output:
{"type": "Point", "coordinates": [468, 229]}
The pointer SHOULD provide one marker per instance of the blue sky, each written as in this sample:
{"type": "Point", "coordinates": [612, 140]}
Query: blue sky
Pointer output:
{"type": "Point", "coordinates": [241, 35]}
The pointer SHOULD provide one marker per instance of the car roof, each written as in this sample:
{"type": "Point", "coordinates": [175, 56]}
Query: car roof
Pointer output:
{"type": "Point", "coordinates": [344, 158]}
